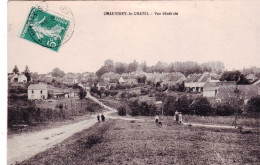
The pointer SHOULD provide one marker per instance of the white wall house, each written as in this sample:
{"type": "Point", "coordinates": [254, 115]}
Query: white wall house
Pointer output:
{"type": "Point", "coordinates": [121, 80]}
{"type": "Point", "coordinates": [19, 78]}
{"type": "Point", "coordinates": [37, 91]}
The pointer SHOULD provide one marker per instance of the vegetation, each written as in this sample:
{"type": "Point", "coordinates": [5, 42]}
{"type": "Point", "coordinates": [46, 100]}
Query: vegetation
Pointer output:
{"type": "Point", "coordinates": [15, 70]}
{"type": "Point", "coordinates": [142, 142]}
{"type": "Point", "coordinates": [234, 76]}
{"type": "Point", "coordinates": [27, 73]}
{"type": "Point", "coordinates": [82, 95]}
{"type": "Point", "coordinates": [188, 67]}
{"type": "Point", "coordinates": [121, 111]}
{"type": "Point", "coordinates": [56, 72]}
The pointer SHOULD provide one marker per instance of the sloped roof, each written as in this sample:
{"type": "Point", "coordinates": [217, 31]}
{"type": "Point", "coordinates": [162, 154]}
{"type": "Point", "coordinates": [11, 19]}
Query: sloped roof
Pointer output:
{"type": "Point", "coordinates": [39, 86]}
{"type": "Point", "coordinates": [191, 78]}
{"type": "Point", "coordinates": [205, 78]}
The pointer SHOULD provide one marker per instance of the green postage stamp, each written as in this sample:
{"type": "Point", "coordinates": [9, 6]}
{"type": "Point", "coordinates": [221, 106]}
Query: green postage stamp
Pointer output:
{"type": "Point", "coordinates": [45, 29]}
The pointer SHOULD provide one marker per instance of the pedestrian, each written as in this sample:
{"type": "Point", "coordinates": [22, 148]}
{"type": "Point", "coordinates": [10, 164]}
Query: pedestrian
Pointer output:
{"type": "Point", "coordinates": [98, 118]}
{"type": "Point", "coordinates": [102, 117]}
{"type": "Point", "coordinates": [156, 119]}
{"type": "Point", "coordinates": [180, 117]}
{"type": "Point", "coordinates": [176, 116]}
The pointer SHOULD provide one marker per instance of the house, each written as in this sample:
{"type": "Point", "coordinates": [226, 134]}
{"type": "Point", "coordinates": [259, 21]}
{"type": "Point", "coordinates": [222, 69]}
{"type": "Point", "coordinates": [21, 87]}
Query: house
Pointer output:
{"type": "Point", "coordinates": [37, 91]}
{"type": "Point", "coordinates": [19, 78]}
{"type": "Point", "coordinates": [121, 80]}
{"type": "Point", "coordinates": [196, 82]}
{"type": "Point", "coordinates": [102, 84]}
{"type": "Point", "coordinates": [211, 88]}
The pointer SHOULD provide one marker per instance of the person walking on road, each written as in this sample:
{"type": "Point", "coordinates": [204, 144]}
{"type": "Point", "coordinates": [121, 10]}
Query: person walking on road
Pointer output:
{"type": "Point", "coordinates": [180, 117]}
{"type": "Point", "coordinates": [177, 116]}
{"type": "Point", "coordinates": [98, 118]}
{"type": "Point", "coordinates": [102, 117]}
{"type": "Point", "coordinates": [156, 119]}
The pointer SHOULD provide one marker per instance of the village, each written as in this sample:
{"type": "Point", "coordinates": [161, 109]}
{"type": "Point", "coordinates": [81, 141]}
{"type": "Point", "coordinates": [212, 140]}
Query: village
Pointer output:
{"type": "Point", "coordinates": [218, 99]}
{"type": "Point", "coordinates": [217, 86]}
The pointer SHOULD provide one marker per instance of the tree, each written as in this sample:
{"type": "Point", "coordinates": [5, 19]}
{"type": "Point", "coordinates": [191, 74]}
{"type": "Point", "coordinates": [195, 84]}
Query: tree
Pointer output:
{"type": "Point", "coordinates": [132, 66]}
{"type": "Point", "coordinates": [134, 107]}
{"type": "Point", "coordinates": [82, 95]}
{"type": "Point", "coordinates": [201, 106]}
{"type": "Point", "coordinates": [121, 110]}
{"type": "Point", "coordinates": [27, 73]}
{"type": "Point", "coordinates": [120, 68]}
{"type": "Point", "coordinates": [56, 72]}
{"type": "Point", "coordinates": [237, 103]}
{"type": "Point", "coordinates": [169, 106]}
{"type": "Point", "coordinates": [183, 105]}
{"type": "Point", "coordinates": [254, 105]}
{"type": "Point", "coordinates": [144, 109]}
{"type": "Point", "coordinates": [234, 76]}
{"type": "Point", "coordinates": [15, 70]}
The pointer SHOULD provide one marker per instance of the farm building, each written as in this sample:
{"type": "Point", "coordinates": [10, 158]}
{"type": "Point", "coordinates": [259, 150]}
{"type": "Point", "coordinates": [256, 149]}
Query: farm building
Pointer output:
{"type": "Point", "coordinates": [19, 78]}
{"type": "Point", "coordinates": [37, 91]}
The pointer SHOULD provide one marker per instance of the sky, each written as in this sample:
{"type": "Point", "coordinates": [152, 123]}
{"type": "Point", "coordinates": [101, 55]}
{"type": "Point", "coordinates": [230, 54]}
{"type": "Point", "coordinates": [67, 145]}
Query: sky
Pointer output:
{"type": "Point", "coordinates": [203, 31]}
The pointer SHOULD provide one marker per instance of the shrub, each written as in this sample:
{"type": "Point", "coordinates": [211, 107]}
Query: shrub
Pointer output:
{"type": "Point", "coordinates": [183, 105]}
{"type": "Point", "coordinates": [121, 111]}
{"type": "Point", "coordinates": [134, 107]}
{"type": "Point", "coordinates": [169, 107]}
{"type": "Point", "coordinates": [224, 110]}
{"type": "Point", "coordinates": [93, 107]}
{"type": "Point", "coordinates": [201, 106]}
{"type": "Point", "coordinates": [254, 105]}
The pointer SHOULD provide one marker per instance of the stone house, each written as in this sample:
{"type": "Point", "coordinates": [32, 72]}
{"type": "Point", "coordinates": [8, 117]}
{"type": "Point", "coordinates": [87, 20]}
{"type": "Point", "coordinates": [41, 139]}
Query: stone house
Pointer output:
{"type": "Point", "coordinates": [37, 91]}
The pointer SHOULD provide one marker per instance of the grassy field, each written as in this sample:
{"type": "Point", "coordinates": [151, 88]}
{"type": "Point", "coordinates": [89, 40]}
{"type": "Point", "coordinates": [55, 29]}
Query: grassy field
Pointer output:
{"type": "Point", "coordinates": [142, 142]}
{"type": "Point", "coordinates": [222, 120]}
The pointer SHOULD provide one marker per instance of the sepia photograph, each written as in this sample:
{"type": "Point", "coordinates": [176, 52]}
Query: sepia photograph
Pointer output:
{"type": "Point", "coordinates": [133, 82]}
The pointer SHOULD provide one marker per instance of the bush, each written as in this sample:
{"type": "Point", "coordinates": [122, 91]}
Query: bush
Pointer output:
{"type": "Point", "coordinates": [134, 107]}
{"type": "Point", "coordinates": [121, 111]}
{"type": "Point", "coordinates": [169, 107]}
{"type": "Point", "coordinates": [224, 110]}
{"type": "Point", "coordinates": [93, 107]}
{"type": "Point", "coordinates": [201, 106]}
{"type": "Point", "coordinates": [254, 105]}
{"type": "Point", "coordinates": [183, 105]}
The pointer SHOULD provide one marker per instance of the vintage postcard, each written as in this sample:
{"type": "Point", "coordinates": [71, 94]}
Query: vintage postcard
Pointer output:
{"type": "Point", "coordinates": [133, 82]}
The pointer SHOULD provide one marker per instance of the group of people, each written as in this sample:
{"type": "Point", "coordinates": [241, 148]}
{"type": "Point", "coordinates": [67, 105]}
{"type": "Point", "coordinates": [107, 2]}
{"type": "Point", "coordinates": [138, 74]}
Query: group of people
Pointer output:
{"type": "Point", "coordinates": [177, 117]}
{"type": "Point", "coordinates": [102, 117]}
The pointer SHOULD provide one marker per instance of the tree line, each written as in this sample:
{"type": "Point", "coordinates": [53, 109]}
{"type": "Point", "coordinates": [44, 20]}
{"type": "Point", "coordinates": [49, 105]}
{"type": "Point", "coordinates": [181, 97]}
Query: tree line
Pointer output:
{"type": "Point", "coordinates": [186, 68]}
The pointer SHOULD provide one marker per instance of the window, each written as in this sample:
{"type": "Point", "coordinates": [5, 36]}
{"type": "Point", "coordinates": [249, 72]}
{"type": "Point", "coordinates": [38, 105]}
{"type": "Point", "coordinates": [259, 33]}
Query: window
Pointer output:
{"type": "Point", "coordinates": [41, 92]}
{"type": "Point", "coordinates": [32, 91]}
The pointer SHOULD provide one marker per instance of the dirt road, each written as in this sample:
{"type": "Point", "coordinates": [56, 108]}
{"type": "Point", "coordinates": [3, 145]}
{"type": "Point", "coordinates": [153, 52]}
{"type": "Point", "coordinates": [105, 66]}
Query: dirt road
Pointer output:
{"type": "Point", "coordinates": [24, 146]}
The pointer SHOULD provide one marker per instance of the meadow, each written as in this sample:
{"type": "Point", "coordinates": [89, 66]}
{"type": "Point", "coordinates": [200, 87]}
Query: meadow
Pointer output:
{"type": "Point", "coordinates": [143, 142]}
